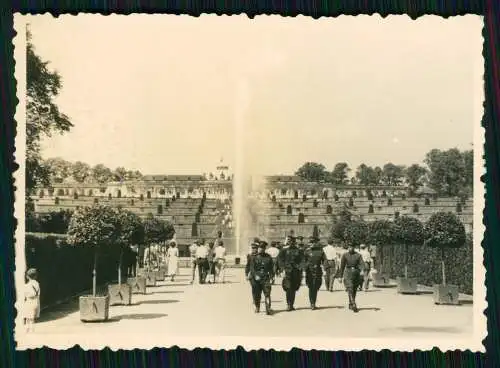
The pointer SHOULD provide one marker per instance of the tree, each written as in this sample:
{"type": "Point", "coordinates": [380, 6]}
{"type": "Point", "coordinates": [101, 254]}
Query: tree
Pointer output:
{"type": "Point", "coordinates": [56, 222]}
{"type": "Point", "coordinates": [392, 174]}
{"type": "Point", "coordinates": [366, 175]}
{"type": "Point", "coordinates": [444, 230]}
{"type": "Point", "coordinates": [356, 233]}
{"type": "Point", "coordinates": [381, 233]}
{"type": "Point", "coordinates": [120, 174]}
{"type": "Point", "coordinates": [447, 171]}
{"type": "Point", "coordinates": [312, 171]}
{"type": "Point", "coordinates": [340, 173]}
{"type": "Point", "coordinates": [43, 117]}
{"type": "Point", "coordinates": [95, 227]}
{"type": "Point", "coordinates": [101, 174]}
{"type": "Point", "coordinates": [468, 157]}
{"type": "Point", "coordinates": [59, 169]}
{"type": "Point", "coordinates": [157, 230]}
{"type": "Point", "coordinates": [409, 231]}
{"type": "Point", "coordinates": [131, 231]}
{"type": "Point", "coordinates": [80, 171]}
{"type": "Point", "coordinates": [341, 221]}
{"type": "Point", "coordinates": [415, 176]}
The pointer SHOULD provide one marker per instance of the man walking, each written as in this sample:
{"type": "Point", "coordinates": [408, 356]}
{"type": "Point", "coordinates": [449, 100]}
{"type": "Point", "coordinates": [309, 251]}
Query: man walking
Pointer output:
{"type": "Point", "coordinates": [192, 255]}
{"type": "Point", "coordinates": [367, 265]}
{"type": "Point", "coordinates": [290, 260]}
{"type": "Point", "coordinates": [350, 268]}
{"type": "Point", "coordinates": [202, 262]}
{"type": "Point", "coordinates": [261, 273]}
{"type": "Point", "coordinates": [314, 258]}
{"type": "Point", "coordinates": [220, 260]}
{"type": "Point", "coordinates": [330, 264]}
{"type": "Point", "coordinates": [273, 251]}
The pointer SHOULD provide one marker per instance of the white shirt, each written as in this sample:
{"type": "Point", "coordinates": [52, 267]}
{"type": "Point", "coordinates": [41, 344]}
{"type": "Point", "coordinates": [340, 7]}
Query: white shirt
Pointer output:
{"type": "Point", "coordinates": [220, 252]}
{"type": "Point", "coordinates": [330, 252]}
{"type": "Point", "coordinates": [202, 252]}
{"type": "Point", "coordinates": [193, 249]}
{"type": "Point", "coordinates": [273, 251]}
{"type": "Point", "coordinates": [365, 254]}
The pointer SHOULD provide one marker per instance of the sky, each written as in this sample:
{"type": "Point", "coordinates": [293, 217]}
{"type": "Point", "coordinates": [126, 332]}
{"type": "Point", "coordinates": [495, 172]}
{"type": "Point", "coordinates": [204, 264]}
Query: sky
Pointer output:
{"type": "Point", "coordinates": [168, 94]}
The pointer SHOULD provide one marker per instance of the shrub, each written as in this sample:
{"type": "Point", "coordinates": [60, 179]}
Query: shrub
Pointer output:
{"type": "Point", "coordinates": [442, 231]}
{"type": "Point", "coordinates": [55, 222]}
{"type": "Point", "coordinates": [44, 251]}
{"type": "Point", "coordinates": [381, 233]}
{"type": "Point", "coordinates": [356, 233]}
{"type": "Point", "coordinates": [409, 231]}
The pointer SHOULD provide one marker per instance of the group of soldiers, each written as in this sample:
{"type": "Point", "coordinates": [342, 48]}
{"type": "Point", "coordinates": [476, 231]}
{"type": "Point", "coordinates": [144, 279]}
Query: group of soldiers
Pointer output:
{"type": "Point", "coordinates": [295, 258]}
{"type": "Point", "coordinates": [209, 259]}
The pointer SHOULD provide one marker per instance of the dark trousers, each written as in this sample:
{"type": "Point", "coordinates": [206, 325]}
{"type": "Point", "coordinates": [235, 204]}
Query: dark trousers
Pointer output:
{"type": "Point", "coordinates": [258, 288]}
{"type": "Point", "coordinates": [313, 281]}
{"type": "Point", "coordinates": [202, 269]}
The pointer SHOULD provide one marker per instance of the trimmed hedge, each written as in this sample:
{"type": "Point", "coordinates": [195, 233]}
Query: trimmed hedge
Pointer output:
{"type": "Point", "coordinates": [424, 264]}
{"type": "Point", "coordinates": [65, 270]}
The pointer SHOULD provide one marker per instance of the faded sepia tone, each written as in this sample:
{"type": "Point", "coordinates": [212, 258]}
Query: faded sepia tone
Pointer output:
{"type": "Point", "coordinates": [229, 109]}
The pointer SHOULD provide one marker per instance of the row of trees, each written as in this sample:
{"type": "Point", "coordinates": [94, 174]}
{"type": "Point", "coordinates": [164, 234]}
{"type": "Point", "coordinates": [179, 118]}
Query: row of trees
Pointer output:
{"type": "Point", "coordinates": [449, 173]}
{"type": "Point", "coordinates": [442, 230]}
{"type": "Point", "coordinates": [59, 170]}
{"type": "Point", "coordinates": [104, 226]}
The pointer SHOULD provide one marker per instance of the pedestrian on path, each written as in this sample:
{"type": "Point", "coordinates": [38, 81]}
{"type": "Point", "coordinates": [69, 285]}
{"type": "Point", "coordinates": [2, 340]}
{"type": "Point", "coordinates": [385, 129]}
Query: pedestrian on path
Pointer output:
{"type": "Point", "coordinates": [273, 251]}
{"type": "Point", "coordinates": [330, 264]}
{"type": "Point", "coordinates": [220, 261]}
{"type": "Point", "coordinates": [192, 254]}
{"type": "Point", "coordinates": [202, 262]}
{"type": "Point", "coordinates": [172, 260]}
{"type": "Point", "coordinates": [367, 265]}
{"type": "Point", "coordinates": [314, 257]}
{"type": "Point", "coordinates": [31, 299]}
{"type": "Point", "coordinates": [350, 267]}
{"type": "Point", "coordinates": [290, 260]}
{"type": "Point", "coordinates": [260, 275]}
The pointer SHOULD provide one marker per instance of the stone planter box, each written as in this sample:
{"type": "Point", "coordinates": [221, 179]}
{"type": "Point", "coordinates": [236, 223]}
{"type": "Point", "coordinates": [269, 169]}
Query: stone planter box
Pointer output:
{"type": "Point", "coordinates": [381, 280]}
{"type": "Point", "coordinates": [94, 308]}
{"type": "Point", "coordinates": [446, 294]}
{"type": "Point", "coordinates": [160, 275]}
{"type": "Point", "coordinates": [137, 284]}
{"type": "Point", "coordinates": [150, 278]}
{"type": "Point", "coordinates": [407, 285]}
{"type": "Point", "coordinates": [120, 294]}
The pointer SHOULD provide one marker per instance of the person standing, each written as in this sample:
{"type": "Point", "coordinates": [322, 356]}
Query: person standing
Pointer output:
{"type": "Point", "coordinates": [350, 267]}
{"type": "Point", "coordinates": [250, 256]}
{"type": "Point", "coordinates": [367, 265]}
{"type": "Point", "coordinates": [192, 254]}
{"type": "Point", "coordinates": [31, 299]}
{"type": "Point", "coordinates": [330, 264]}
{"type": "Point", "coordinates": [172, 260]}
{"type": "Point", "coordinates": [211, 262]}
{"type": "Point", "coordinates": [314, 257]}
{"type": "Point", "coordinates": [290, 260]}
{"type": "Point", "coordinates": [202, 262]}
{"type": "Point", "coordinates": [260, 275]}
{"type": "Point", "coordinates": [220, 261]}
{"type": "Point", "coordinates": [273, 251]}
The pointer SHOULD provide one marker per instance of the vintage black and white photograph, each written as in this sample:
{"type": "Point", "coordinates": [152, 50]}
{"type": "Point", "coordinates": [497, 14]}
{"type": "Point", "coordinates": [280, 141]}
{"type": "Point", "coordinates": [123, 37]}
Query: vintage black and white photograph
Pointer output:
{"type": "Point", "coordinates": [269, 183]}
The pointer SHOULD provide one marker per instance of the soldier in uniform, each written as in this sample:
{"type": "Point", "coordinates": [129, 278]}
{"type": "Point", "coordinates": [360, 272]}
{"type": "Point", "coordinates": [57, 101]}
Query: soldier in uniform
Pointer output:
{"type": "Point", "coordinates": [250, 256]}
{"type": "Point", "coordinates": [314, 257]}
{"type": "Point", "coordinates": [290, 260]}
{"type": "Point", "coordinates": [351, 266]}
{"type": "Point", "coordinates": [260, 276]}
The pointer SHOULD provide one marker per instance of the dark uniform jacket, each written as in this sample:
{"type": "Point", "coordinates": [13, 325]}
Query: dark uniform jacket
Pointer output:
{"type": "Point", "coordinates": [351, 265]}
{"type": "Point", "coordinates": [250, 258]}
{"type": "Point", "coordinates": [290, 259]}
{"type": "Point", "coordinates": [262, 267]}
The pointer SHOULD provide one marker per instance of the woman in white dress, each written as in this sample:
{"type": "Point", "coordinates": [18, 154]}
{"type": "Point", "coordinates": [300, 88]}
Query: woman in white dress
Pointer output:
{"type": "Point", "coordinates": [173, 260]}
{"type": "Point", "coordinates": [31, 299]}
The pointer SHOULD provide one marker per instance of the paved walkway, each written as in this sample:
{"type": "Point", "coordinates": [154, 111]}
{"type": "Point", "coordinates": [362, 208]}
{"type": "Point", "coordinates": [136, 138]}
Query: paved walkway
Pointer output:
{"type": "Point", "coordinates": [181, 309]}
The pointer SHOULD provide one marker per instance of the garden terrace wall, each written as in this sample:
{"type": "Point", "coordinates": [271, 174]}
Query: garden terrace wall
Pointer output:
{"type": "Point", "coordinates": [65, 270]}
{"type": "Point", "coordinates": [424, 263]}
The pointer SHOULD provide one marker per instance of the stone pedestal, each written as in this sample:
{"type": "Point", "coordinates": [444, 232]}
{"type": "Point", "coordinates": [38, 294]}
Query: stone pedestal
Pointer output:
{"type": "Point", "coordinates": [150, 278]}
{"type": "Point", "coordinates": [137, 284]}
{"type": "Point", "coordinates": [446, 294]}
{"type": "Point", "coordinates": [407, 285]}
{"type": "Point", "coordinates": [120, 294]}
{"type": "Point", "coordinates": [381, 280]}
{"type": "Point", "coordinates": [94, 308]}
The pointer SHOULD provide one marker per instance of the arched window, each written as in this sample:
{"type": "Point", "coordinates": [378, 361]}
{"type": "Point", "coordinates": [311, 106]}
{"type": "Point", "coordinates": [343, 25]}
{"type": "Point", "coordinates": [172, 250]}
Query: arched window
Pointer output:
{"type": "Point", "coordinates": [289, 210]}
{"type": "Point", "coordinates": [148, 194]}
{"type": "Point", "coordinates": [296, 194]}
{"type": "Point", "coordinates": [315, 204]}
{"type": "Point", "coordinates": [370, 208]}
{"type": "Point", "coordinates": [329, 210]}
{"type": "Point", "coordinates": [119, 193]}
{"type": "Point", "coordinates": [301, 218]}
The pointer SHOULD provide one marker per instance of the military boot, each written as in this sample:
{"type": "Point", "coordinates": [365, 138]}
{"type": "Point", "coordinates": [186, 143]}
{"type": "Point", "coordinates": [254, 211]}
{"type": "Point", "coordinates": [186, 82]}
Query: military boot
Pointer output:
{"type": "Point", "coordinates": [268, 306]}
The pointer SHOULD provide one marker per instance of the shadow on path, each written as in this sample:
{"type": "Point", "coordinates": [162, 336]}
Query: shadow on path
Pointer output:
{"type": "Point", "coordinates": [376, 309]}
{"type": "Point", "coordinates": [418, 329]}
{"type": "Point", "coordinates": [162, 301]}
{"type": "Point", "coordinates": [59, 311]}
{"type": "Point", "coordinates": [140, 316]}
{"type": "Point", "coordinates": [168, 292]}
